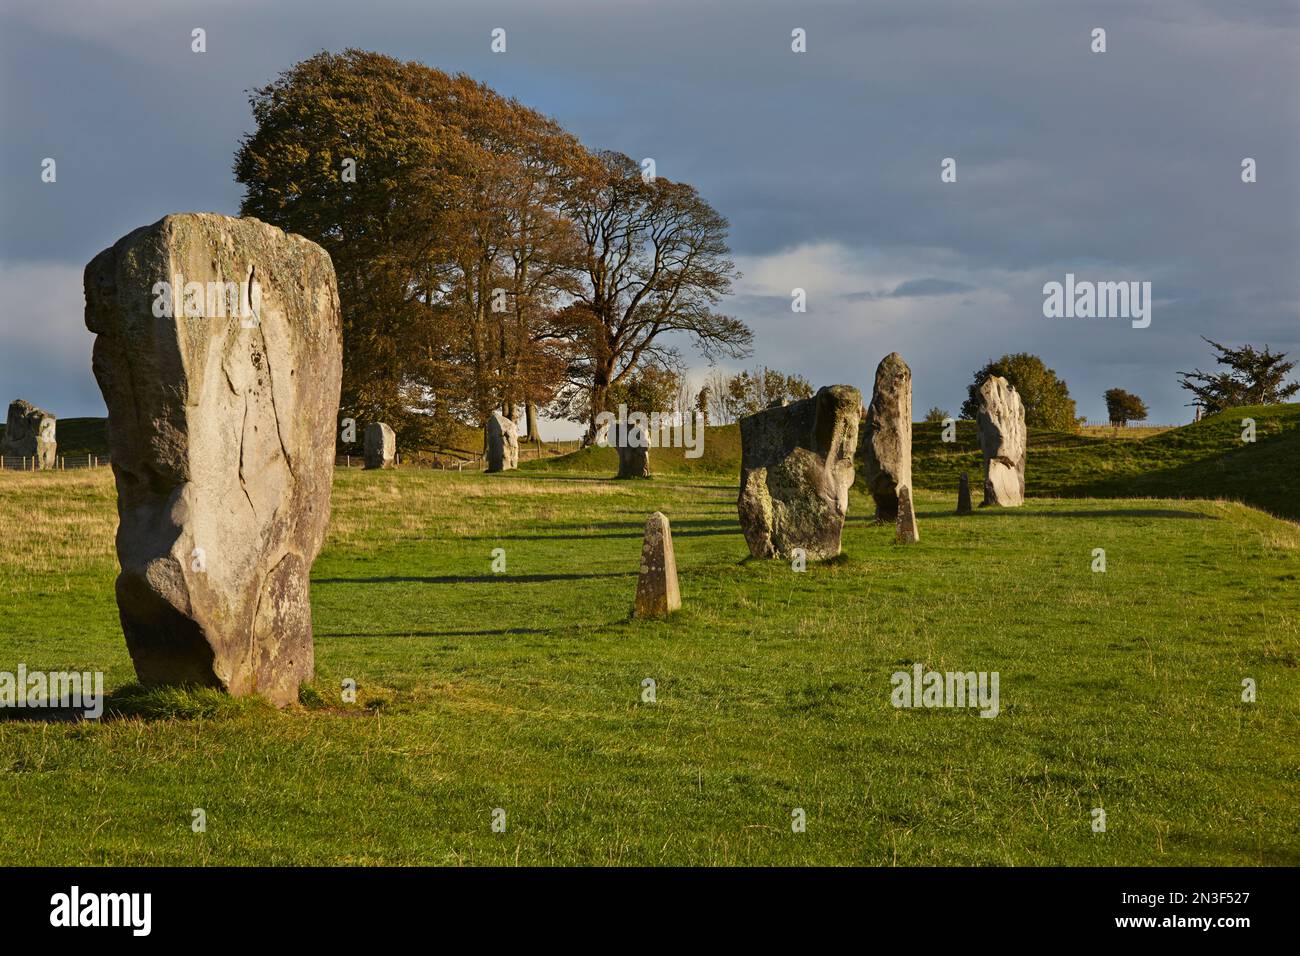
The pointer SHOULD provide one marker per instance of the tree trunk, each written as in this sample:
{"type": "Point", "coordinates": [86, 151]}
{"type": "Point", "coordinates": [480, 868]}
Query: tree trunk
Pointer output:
{"type": "Point", "coordinates": [599, 399]}
{"type": "Point", "coordinates": [534, 433]}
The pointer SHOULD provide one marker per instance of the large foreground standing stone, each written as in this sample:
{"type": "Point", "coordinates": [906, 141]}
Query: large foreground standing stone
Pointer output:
{"type": "Point", "coordinates": [502, 443]}
{"type": "Point", "coordinates": [379, 445]}
{"type": "Point", "coordinates": [29, 433]}
{"type": "Point", "coordinates": [222, 435]}
{"type": "Point", "coordinates": [633, 444]}
{"type": "Point", "coordinates": [887, 444]}
{"type": "Point", "coordinates": [657, 594]}
{"type": "Point", "coordinates": [795, 474]}
{"type": "Point", "coordinates": [1003, 440]}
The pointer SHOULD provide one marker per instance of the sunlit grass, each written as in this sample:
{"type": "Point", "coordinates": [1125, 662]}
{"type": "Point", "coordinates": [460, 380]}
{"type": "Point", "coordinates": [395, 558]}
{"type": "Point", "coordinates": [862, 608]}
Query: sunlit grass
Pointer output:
{"type": "Point", "coordinates": [523, 690]}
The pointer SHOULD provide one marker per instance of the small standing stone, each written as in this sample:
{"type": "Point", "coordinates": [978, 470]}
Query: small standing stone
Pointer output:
{"type": "Point", "coordinates": [1003, 440]}
{"type": "Point", "coordinates": [380, 445]}
{"type": "Point", "coordinates": [963, 495]}
{"type": "Point", "coordinates": [633, 444]}
{"type": "Point", "coordinates": [657, 594]}
{"type": "Point", "coordinates": [502, 443]}
{"type": "Point", "coordinates": [906, 532]}
{"type": "Point", "coordinates": [887, 435]}
{"type": "Point", "coordinates": [29, 433]}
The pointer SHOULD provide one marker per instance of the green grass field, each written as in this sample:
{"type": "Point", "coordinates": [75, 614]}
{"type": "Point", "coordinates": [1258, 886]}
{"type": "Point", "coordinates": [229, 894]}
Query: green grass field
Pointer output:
{"type": "Point", "coordinates": [523, 690]}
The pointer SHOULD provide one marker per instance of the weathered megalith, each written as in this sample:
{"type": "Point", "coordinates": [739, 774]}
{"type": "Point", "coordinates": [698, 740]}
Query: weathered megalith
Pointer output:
{"type": "Point", "coordinates": [796, 470]}
{"type": "Point", "coordinates": [221, 428]}
{"type": "Point", "coordinates": [905, 530]}
{"type": "Point", "coordinates": [502, 443]}
{"type": "Point", "coordinates": [963, 495]}
{"type": "Point", "coordinates": [1003, 440]}
{"type": "Point", "coordinates": [379, 445]}
{"type": "Point", "coordinates": [887, 443]}
{"type": "Point", "coordinates": [29, 433]}
{"type": "Point", "coordinates": [633, 445]}
{"type": "Point", "coordinates": [657, 594]}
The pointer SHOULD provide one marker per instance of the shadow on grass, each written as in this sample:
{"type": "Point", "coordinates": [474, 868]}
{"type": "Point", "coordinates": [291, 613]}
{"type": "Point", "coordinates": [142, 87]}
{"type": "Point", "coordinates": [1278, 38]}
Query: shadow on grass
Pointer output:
{"type": "Point", "coordinates": [713, 523]}
{"type": "Point", "coordinates": [1032, 512]}
{"type": "Point", "coordinates": [134, 701]}
{"type": "Point", "coordinates": [498, 632]}
{"type": "Point", "coordinates": [710, 529]}
{"type": "Point", "coordinates": [723, 483]}
{"type": "Point", "coordinates": [843, 559]}
{"type": "Point", "coordinates": [475, 578]}
{"type": "Point", "coordinates": [1098, 513]}
{"type": "Point", "coordinates": [549, 476]}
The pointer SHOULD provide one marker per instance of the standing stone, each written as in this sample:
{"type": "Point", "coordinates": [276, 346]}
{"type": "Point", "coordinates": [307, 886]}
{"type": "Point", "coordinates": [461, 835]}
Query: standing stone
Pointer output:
{"type": "Point", "coordinates": [502, 443]}
{"type": "Point", "coordinates": [657, 594]}
{"type": "Point", "coordinates": [963, 495]}
{"type": "Point", "coordinates": [29, 433]}
{"type": "Point", "coordinates": [795, 474]}
{"type": "Point", "coordinates": [221, 428]}
{"type": "Point", "coordinates": [633, 444]}
{"type": "Point", "coordinates": [887, 444]}
{"type": "Point", "coordinates": [380, 446]}
{"type": "Point", "coordinates": [905, 530]}
{"type": "Point", "coordinates": [1003, 440]}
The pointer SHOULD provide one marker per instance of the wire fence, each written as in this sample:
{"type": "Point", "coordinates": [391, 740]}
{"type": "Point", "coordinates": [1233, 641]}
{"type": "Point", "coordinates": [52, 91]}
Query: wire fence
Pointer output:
{"type": "Point", "coordinates": [441, 461]}
{"type": "Point", "coordinates": [449, 461]}
{"type": "Point", "coordinates": [60, 462]}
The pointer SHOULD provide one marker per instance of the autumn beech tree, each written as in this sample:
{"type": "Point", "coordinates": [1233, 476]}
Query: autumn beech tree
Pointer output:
{"type": "Point", "coordinates": [486, 260]}
{"type": "Point", "coordinates": [440, 203]}
{"type": "Point", "coordinates": [338, 138]}
{"type": "Point", "coordinates": [513, 256]}
{"type": "Point", "coordinates": [654, 265]}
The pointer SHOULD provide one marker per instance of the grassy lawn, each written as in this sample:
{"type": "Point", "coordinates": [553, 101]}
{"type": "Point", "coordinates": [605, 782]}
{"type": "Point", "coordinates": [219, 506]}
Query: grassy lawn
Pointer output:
{"type": "Point", "coordinates": [522, 690]}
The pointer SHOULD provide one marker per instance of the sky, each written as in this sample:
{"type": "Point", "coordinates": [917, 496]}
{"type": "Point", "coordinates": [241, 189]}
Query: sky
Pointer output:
{"type": "Point", "coordinates": [1123, 165]}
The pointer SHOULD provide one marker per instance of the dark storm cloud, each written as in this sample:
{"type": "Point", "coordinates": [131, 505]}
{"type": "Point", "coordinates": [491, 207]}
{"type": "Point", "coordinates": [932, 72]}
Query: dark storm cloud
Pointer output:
{"type": "Point", "coordinates": [1123, 165]}
{"type": "Point", "coordinates": [926, 287]}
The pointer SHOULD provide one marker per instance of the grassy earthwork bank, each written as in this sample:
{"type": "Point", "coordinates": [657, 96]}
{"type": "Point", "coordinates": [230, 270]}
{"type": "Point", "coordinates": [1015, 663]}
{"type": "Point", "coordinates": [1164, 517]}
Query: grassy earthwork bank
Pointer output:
{"type": "Point", "coordinates": [1209, 459]}
{"type": "Point", "coordinates": [523, 690]}
{"type": "Point", "coordinates": [1206, 460]}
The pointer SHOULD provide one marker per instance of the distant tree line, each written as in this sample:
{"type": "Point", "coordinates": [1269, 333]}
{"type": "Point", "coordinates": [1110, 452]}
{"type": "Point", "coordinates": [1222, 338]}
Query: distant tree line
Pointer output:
{"type": "Point", "coordinates": [1253, 377]}
{"type": "Point", "coordinates": [725, 399]}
